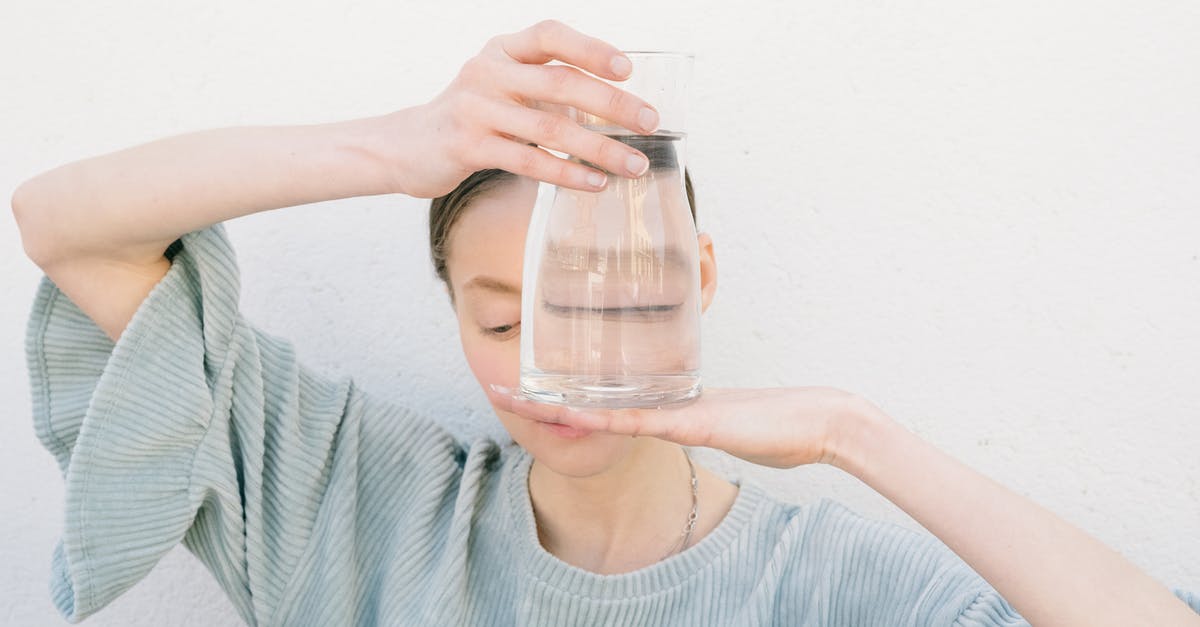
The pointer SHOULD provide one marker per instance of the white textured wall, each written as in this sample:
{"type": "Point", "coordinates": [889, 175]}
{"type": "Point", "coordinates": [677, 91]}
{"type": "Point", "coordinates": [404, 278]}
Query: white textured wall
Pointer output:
{"type": "Point", "coordinates": [982, 217]}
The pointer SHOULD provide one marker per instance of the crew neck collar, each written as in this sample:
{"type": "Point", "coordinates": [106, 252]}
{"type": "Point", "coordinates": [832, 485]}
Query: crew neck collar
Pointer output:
{"type": "Point", "coordinates": [670, 572]}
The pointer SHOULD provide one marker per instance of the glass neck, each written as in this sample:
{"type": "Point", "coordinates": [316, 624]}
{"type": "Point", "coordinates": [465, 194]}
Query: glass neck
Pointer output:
{"type": "Point", "coordinates": [667, 151]}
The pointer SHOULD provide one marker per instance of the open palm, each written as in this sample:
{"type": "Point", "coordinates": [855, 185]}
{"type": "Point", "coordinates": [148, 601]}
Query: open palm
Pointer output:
{"type": "Point", "coordinates": [779, 427]}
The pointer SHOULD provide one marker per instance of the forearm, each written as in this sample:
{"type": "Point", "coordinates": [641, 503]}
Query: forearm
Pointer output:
{"type": "Point", "coordinates": [1050, 571]}
{"type": "Point", "coordinates": [129, 204]}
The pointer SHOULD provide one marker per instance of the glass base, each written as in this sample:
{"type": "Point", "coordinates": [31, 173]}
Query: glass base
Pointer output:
{"type": "Point", "coordinates": [611, 391]}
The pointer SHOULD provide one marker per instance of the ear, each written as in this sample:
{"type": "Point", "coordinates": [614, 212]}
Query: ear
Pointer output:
{"type": "Point", "coordinates": [708, 270]}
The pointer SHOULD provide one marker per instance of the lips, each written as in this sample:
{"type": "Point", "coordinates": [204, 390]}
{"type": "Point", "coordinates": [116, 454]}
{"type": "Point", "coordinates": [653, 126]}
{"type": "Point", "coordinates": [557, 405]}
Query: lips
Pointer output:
{"type": "Point", "coordinates": [564, 431]}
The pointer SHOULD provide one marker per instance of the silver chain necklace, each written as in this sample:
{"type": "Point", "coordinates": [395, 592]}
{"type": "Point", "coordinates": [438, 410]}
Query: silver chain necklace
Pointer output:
{"type": "Point", "coordinates": [686, 535]}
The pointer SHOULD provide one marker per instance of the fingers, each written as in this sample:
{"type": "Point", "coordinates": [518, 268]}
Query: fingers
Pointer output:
{"type": "Point", "coordinates": [510, 75]}
{"type": "Point", "coordinates": [536, 163]}
{"type": "Point", "coordinates": [615, 421]}
{"type": "Point", "coordinates": [551, 39]}
{"type": "Point", "coordinates": [623, 421]}
{"type": "Point", "coordinates": [563, 84]}
{"type": "Point", "coordinates": [506, 399]}
{"type": "Point", "coordinates": [688, 424]}
{"type": "Point", "coordinates": [691, 427]}
{"type": "Point", "coordinates": [560, 133]}
{"type": "Point", "coordinates": [567, 85]}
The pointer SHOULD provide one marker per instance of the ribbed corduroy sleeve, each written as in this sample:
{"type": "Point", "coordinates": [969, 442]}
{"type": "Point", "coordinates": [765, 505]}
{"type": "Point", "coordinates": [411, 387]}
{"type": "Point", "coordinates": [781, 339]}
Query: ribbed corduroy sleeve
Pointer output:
{"type": "Point", "coordinates": [194, 426]}
{"type": "Point", "coordinates": [874, 572]}
{"type": "Point", "coordinates": [879, 573]}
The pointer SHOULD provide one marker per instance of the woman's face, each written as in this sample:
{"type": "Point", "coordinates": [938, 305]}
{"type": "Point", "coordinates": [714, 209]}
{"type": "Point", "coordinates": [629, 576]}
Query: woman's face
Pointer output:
{"type": "Point", "coordinates": [485, 255]}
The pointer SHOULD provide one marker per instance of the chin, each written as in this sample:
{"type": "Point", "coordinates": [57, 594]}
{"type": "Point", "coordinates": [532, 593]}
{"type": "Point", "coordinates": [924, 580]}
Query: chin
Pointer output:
{"type": "Point", "coordinates": [571, 455]}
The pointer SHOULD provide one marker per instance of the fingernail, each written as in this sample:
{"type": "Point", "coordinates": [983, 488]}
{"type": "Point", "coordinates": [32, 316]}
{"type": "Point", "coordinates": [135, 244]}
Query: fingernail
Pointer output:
{"type": "Point", "coordinates": [636, 164]}
{"type": "Point", "coordinates": [620, 65]}
{"type": "Point", "coordinates": [500, 389]}
{"type": "Point", "coordinates": [596, 179]}
{"type": "Point", "coordinates": [648, 119]}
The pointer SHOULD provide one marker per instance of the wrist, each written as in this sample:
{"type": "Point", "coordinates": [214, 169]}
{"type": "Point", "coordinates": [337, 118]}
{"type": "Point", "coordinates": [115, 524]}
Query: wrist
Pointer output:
{"type": "Point", "coordinates": [376, 148]}
{"type": "Point", "coordinates": [857, 433]}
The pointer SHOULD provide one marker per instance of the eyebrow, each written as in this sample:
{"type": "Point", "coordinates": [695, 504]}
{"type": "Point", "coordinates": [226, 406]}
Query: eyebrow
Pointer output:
{"type": "Point", "coordinates": [492, 284]}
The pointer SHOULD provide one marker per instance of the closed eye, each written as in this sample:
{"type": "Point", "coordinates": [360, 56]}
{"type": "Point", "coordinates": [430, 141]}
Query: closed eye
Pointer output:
{"type": "Point", "coordinates": [498, 331]}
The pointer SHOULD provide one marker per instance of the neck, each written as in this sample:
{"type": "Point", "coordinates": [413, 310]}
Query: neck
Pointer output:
{"type": "Point", "coordinates": [627, 516]}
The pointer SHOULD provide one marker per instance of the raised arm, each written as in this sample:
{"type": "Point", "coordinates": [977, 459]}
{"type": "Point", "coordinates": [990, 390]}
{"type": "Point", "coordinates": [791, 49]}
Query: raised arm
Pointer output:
{"type": "Point", "coordinates": [99, 226]}
{"type": "Point", "coordinates": [1051, 572]}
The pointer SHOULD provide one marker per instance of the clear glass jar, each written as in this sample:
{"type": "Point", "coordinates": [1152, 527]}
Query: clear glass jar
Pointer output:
{"type": "Point", "coordinates": [610, 312]}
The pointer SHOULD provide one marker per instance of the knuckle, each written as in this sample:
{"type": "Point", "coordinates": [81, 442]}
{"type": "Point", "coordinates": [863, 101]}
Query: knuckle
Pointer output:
{"type": "Point", "coordinates": [563, 170]}
{"type": "Point", "coordinates": [635, 418]}
{"type": "Point", "coordinates": [551, 126]}
{"type": "Point", "coordinates": [609, 151]}
{"type": "Point", "coordinates": [545, 32]}
{"type": "Point", "coordinates": [528, 161]}
{"type": "Point", "coordinates": [857, 404]}
{"type": "Point", "coordinates": [618, 100]}
{"type": "Point", "coordinates": [472, 70]}
{"type": "Point", "coordinates": [558, 78]}
{"type": "Point", "coordinates": [594, 49]}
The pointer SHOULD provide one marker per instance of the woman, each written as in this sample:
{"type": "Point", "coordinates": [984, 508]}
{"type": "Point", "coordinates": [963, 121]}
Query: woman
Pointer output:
{"type": "Point", "coordinates": [315, 503]}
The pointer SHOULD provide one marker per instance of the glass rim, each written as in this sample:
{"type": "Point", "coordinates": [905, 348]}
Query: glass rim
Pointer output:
{"type": "Point", "coordinates": [659, 53]}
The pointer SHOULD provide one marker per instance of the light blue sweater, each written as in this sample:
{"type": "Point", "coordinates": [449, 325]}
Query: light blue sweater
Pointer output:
{"type": "Point", "coordinates": [314, 503]}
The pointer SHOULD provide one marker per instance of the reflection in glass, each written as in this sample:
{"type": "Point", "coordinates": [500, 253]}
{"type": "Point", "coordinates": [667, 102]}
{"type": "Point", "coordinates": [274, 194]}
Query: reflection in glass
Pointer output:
{"type": "Point", "coordinates": [611, 299]}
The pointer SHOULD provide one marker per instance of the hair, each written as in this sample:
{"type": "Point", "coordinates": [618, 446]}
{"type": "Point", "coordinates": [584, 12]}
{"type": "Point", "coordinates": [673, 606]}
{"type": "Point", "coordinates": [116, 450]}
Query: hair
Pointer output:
{"type": "Point", "coordinates": [445, 210]}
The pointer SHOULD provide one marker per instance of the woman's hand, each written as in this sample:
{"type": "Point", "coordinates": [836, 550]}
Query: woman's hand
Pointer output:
{"type": "Point", "coordinates": [779, 427]}
{"type": "Point", "coordinates": [485, 119]}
